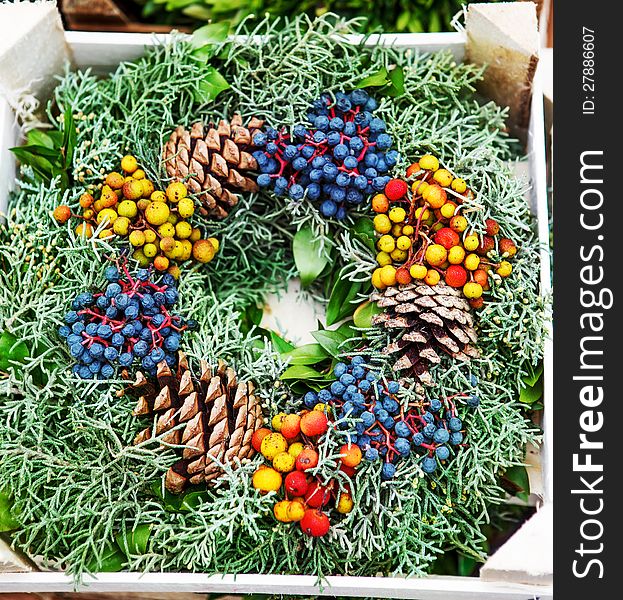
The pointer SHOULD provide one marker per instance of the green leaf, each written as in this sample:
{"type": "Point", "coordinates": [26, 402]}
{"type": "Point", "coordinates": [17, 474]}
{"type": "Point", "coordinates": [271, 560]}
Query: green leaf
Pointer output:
{"type": "Point", "coordinates": [518, 477]}
{"type": "Point", "coordinates": [38, 137]}
{"type": "Point", "coordinates": [531, 380]}
{"type": "Point", "coordinates": [172, 502]}
{"type": "Point", "coordinates": [340, 306]}
{"type": "Point", "coordinates": [134, 542]}
{"type": "Point", "coordinates": [300, 372]}
{"type": "Point", "coordinates": [397, 87]}
{"type": "Point", "coordinates": [529, 395]}
{"type": "Point", "coordinates": [69, 137]}
{"type": "Point", "coordinates": [212, 84]}
{"type": "Point", "coordinates": [11, 351]}
{"type": "Point", "coordinates": [363, 230]}
{"type": "Point", "coordinates": [309, 258]}
{"type": "Point", "coordinates": [280, 344]}
{"type": "Point", "coordinates": [192, 501]}
{"type": "Point", "coordinates": [330, 341]}
{"type": "Point", "coordinates": [111, 561]}
{"type": "Point", "coordinates": [7, 520]}
{"type": "Point", "coordinates": [378, 79]}
{"type": "Point", "coordinates": [213, 33]}
{"type": "Point", "coordinates": [53, 155]}
{"type": "Point", "coordinates": [364, 313]}
{"type": "Point", "coordinates": [309, 354]}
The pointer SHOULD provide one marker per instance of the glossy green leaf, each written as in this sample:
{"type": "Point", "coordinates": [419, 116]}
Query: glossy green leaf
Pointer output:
{"type": "Point", "coordinates": [378, 79]}
{"type": "Point", "coordinates": [193, 500]}
{"type": "Point", "coordinates": [309, 257]}
{"type": "Point", "coordinates": [112, 560]}
{"type": "Point", "coordinates": [11, 350]}
{"type": "Point", "coordinates": [212, 84]}
{"type": "Point", "coordinates": [309, 354]}
{"type": "Point", "coordinates": [532, 379]}
{"type": "Point", "coordinates": [363, 230]}
{"type": "Point", "coordinates": [40, 138]}
{"type": "Point", "coordinates": [331, 341]}
{"type": "Point", "coordinates": [134, 542]}
{"type": "Point", "coordinates": [7, 519]}
{"type": "Point", "coordinates": [340, 306]}
{"type": "Point", "coordinates": [518, 477]}
{"type": "Point", "coordinates": [397, 83]}
{"type": "Point", "coordinates": [300, 372]}
{"type": "Point", "coordinates": [213, 33]}
{"type": "Point", "coordinates": [280, 344]}
{"type": "Point", "coordinates": [69, 137]}
{"type": "Point", "coordinates": [364, 313]}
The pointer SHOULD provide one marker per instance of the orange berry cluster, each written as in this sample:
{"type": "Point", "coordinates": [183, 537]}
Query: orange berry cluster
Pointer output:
{"type": "Point", "coordinates": [291, 449]}
{"type": "Point", "coordinates": [155, 222]}
{"type": "Point", "coordinates": [424, 236]}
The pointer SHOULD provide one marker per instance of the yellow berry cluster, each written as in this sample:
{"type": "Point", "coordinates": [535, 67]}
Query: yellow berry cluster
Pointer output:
{"type": "Point", "coordinates": [155, 222]}
{"type": "Point", "coordinates": [424, 236]}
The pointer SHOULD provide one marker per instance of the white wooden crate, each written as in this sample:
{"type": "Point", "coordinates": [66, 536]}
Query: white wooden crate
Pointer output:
{"type": "Point", "coordinates": [103, 52]}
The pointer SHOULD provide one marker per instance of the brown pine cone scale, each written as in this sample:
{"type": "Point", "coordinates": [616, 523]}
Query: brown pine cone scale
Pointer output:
{"type": "Point", "coordinates": [213, 417]}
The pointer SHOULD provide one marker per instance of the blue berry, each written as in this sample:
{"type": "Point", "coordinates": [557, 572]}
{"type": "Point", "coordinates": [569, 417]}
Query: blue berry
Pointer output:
{"type": "Point", "coordinates": [325, 396]}
{"type": "Point", "coordinates": [64, 331]}
{"type": "Point", "coordinates": [350, 128]}
{"type": "Point", "coordinates": [430, 430]}
{"type": "Point", "coordinates": [456, 438]}
{"type": "Point", "coordinates": [455, 424]}
{"type": "Point", "coordinates": [383, 142]}
{"type": "Point", "coordinates": [393, 387]}
{"type": "Point", "coordinates": [367, 418]}
{"type": "Point", "coordinates": [141, 348]}
{"type": "Point", "coordinates": [147, 362]}
{"type": "Point", "coordinates": [71, 317]}
{"type": "Point", "coordinates": [441, 436]}
{"type": "Point", "coordinates": [260, 139]}
{"type": "Point", "coordinates": [338, 388]}
{"type": "Point", "coordinates": [157, 355]}
{"type": "Point", "coordinates": [310, 399]}
{"type": "Point", "coordinates": [363, 441]}
{"type": "Point", "coordinates": [172, 342]}
{"type": "Point", "coordinates": [473, 401]}
{"type": "Point", "coordinates": [402, 429]}
{"type": "Point", "coordinates": [429, 464]}
{"type": "Point", "coordinates": [111, 353]}
{"type": "Point", "coordinates": [84, 372]}
{"type": "Point", "coordinates": [328, 208]}
{"type": "Point", "coordinates": [372, 454]}
{"type": "Point", "coordinates": [428, 417]}
{"type": "Point", "coordinates": [347, 379]}
{"type": "Point", "coordinates": [418, 439]}
{"type": "Point", "coordinates": [263, 180]}
{"type": "Point", "coordinates": [104, 331]}
{"type": "Point", "coordinates": [112, 290]}
{"type": "Point", "coordinates": [403, 446]}
{"type": "Point", "coordinates": [435, 405]}
{"type": "Point", "coordinates": [443, 452]}
{"type": "Point", "coordinates": [125, 359]}
{"type": "Point", "coordinates": [107, 371]}
{"type": "Point", "coordinates": [365, 385]}
{"type": "Point", "coordinates": [111, 274]}
{"type": "Point", "coordinates": [388, 471]}
{"type": "Point", "coordinates": [76, 350]}
{"type": "Point", "coordinates": [91, 329]}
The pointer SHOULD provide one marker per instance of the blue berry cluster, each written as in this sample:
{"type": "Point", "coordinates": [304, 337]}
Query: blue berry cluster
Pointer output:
{"type": "Point", "coordinates": [337, 161]}
{"type": "Point", "coordinates": [126, 322]}
{"type": "Point", "coordinates": [384, 428]}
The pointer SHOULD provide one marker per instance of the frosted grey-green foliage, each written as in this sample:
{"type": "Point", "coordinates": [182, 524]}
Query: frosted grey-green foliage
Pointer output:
{"type": "Point", "coordinates": [66, 448]}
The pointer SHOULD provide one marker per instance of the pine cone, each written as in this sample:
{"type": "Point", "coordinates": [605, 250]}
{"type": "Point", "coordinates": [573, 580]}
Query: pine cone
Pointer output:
{"type": "Point", "coordinates": [220, 417]}
{"type": "Point", "coordinates": [424, 320]}
{"type": "Point", "coordinates": [214, 162]}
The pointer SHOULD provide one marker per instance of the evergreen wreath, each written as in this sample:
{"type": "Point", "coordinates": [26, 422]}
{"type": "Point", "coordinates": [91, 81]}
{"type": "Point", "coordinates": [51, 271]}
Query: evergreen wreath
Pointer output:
{"type": "Point", "coordinates": [85, 497]}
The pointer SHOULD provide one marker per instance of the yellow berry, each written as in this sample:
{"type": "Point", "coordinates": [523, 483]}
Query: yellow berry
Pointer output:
{"type": "Point", "coordinates": [436, 255]}
{"type": "Point", "coordinates": [432, 277]}
{"type": "Point", "coordinates": [345, 503]}
{"type": "Point", "coordinates": [280, 510]}
{"type": "Point", "coordinates": [422, 213]}
{"type": "Point", "coordinates": [419, 187]}
{"type": "Point", "coordinates": [459, 185]}
{"type": "Point", "coordinates": [176, 191]}
{"type": "Point", "coordinates": [382, 224]}
{"type": "Point", "coordinates": [129, 164]}
{"type": "Point", "coordinates": [214, 243]}
{"type": "Point", "coordinates": [472, 289]}
{"type": "Point", "coordinates": [295, 449]}
{"type": "Point", "coordinates": [399, 255]}
{"type": "Point", "coordinates": [114, 180]}
{"type": "Point", "coordinates": [376, 279]}
{"type": "Point", "coordinates": [157, 213]}
{"type": "Point", "coordinates": [167, 244]}
{"type": "Point", "coordinates": [277, 421]}
{"type": "Point", "coordinates": [107, 198]}
{"type": "Point", "coordinates": [296, 511]}
{"type": "Point", "coordinates": [137, 238]}
{"type": "Point", "coordinates": [121, 226]}
{"type": "Point", "coordinates": [187, 250]}
{"type": "Point", "coordinates": [150, 236]}
{"type": "Point", "coordinates": [418, 271]}
{"type": "Point", "coordinates": [195, 235]}
{"type": "Point", "coordinates": [396, 230]}
{"type": "Point", "coordinates": [472, 262]}
{"type": "Point", "coordinates": [266, 480]}
{"type": "Point", "coordinates": [321, 407]}
{"type": "Point", "coordinates": [386, 243]}
{"type": "Point", "coordinates": [185, 208]}
{"type": "Point", "coordinates": [443, 177]}
{"type": "Point", "coordinates": [138, 174]}
{"type": "Point", "coordinates": [458, 223]}
{"type": "Point", "coordinates": [504, 269]}
{"type": "Point", "coordinates": [166, 230]}
{"type": "Point", "coordinates": [140, 258]}
{"type": "Point", "coordinates": [383, 258]}
{"type": "Point", "coordinates": [150, 250]}
{"type": "Point", "coordinates": [447, 210]}
{"type": "Point", "coordinates": [142, 204]}
{"type": "Point", "coordinates": [403, 243]}
{"type": "Point", "coordinates": [127, 208]}
{"type": "Point", "coordinates": [161, 263]}
{"type": "Point", "coordinates": [456, 254]}
{"type": "Point", "coordinates": [158, 196]}
{"type": "Point", "coordinates": [429, 162]}
{"type": "Point", "coordinates": [174, 271]}
{"type": "Point", "coordinates": [397, 214]}
{"type": "Point", "coordinates": [284, 462]}
{"type": "Point", "coordinates": [273, 444]}
{"type": "Point", "coordinates": [408, 230]}
{"type": "Point", "coordinates": [132, 189]}
{"type": "Point", "coordinates": [107, 214]}
{"type": "Point", "coordinates": [183, 229]}
{"type": "Point", "coordinates": [88, 214]}
{"type": "Point", "coordinates": [148, 188]}
{"type": "Point", "coordinates": [471, 242]}
{"type": "Point", "coordinates": [388, 275]}
{"type": "Point", "coordinates": [203, 251]}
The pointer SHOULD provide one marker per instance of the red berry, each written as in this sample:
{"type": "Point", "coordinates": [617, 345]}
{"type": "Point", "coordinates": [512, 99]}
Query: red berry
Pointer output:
{"type": "Point", "coordinates": [456, 276]}
{"type": "Point", "coordinates": [315, 523]}
{"type": "Point", "coordinates": [307, 459]}
{"type": "Point", "coordinates": [476, 303]}
{"type": "Point", "coordinates": [396, 189]}
{"type": "Point", "coordinates": [258, 436]}
{"type": "Point", "coordinates": [296, 483]}
{"type": "Point", "coordinates": [314, 423]}
{"type": "Point", "coordinates": [350, 471]}
{"type": "Point", "coordinates": [507, 245]}
{"type": "Point", "coordinates": [317, 495]}
{"type": "Point", "coordinates": [413, 168]}
{"type": "Point", "coordinates": [487, 244]}
{"type": "Point", "coordinates": [447, 238]}
{"type": "Point", "coordinates": [403, 276]}
{"type": "Point", "coordinates": [492, 227]}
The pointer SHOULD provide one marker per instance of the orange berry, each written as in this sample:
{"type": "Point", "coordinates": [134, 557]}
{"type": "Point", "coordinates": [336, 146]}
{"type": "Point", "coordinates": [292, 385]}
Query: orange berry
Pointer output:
{"type": "Point", "coordinates": [507, 247]}
{"type": "Point", "coordinates": [350, 455]}
{"type": "Point", "coordinates": [476, 303]}
{"type": "Point", "coordinates": [435, 195]}
{"type": "Point", "coordinates": [380, 203]}
{"type": "Point", "coordinates": [447, 238]}
{"type": "Point", "coordinates": [432, 277]}
{"type": "Point", "coordinates": [413, 169]}
{"type": "Point", "coordinates": [86, 200]}
{"type": "Point", "coordinates": [85, 229]}
{"type": "Point", "coordinates": [456, 276]}
{"type": "Point", "coordinates": [492, 226]}
{"type": "Point", "coordinates": [258, 436]}
{"type": "Point", "coordinates": [307, 459]}
{"type": "Point", "coordinates": [315, 523]}
{"type": "Point", "coordinates": [403, 276]}
{"type": "Point", "coordinates": [458, 223]}
{"type": "Point", "coordinates": [480, 276]}
{"type": "Point", "coordinates": [314, 423]}
{"type": "Point", "coordinates": [114, 180]}
{"type": "Point", "coordinates": [62, 213]}
{"type": "Point", "coordinates": [291, 426]}
{"type": "Point", "coordinates": [161, 263]}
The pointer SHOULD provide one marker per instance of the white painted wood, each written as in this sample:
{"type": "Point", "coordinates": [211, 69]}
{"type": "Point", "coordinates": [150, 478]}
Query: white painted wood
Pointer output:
{"type": "Point", "coordinates": [104, 51]}
{"type": "Point", "coordinates": [11, 562]}
{"type": "Point", "coordinates": [429, 588]}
